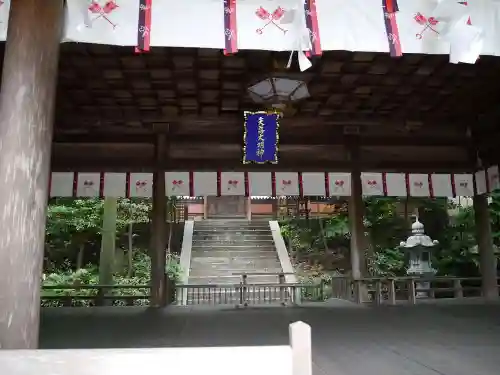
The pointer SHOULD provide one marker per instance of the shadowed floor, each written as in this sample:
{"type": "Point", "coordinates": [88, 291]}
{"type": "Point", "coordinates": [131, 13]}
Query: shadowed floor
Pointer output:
{"type": "Point", "coordinates": [448, 339]}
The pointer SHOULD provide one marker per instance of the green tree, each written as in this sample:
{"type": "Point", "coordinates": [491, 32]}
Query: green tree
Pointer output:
{"type": "Point", "coordinates": [71, 224]}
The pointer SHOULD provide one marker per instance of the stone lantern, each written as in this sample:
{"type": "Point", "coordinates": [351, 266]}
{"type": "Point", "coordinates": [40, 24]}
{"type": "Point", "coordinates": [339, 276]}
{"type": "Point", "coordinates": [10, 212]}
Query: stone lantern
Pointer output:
{"type": "Point", "coordinates": [419, 247]}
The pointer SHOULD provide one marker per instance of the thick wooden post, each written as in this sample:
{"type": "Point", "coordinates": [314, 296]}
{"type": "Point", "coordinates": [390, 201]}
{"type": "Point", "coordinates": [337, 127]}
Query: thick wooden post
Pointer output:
{"type": "Point", "coordinates": [107, 256]}
{"type": "Point", "coordinates": [248, 207]}
{"type": "Point", "coordinates": [356, 211]}
{"type": "Point", "coordinates": [487, 259]}
{"type": "Point", "coordinates": [27, 102]}
{"type": "Point", "coordinates": [205, 207]}
{"type": "Point", "coordinates": [275, 207]}
{"type": "Point", "coordinates": [158, 232]}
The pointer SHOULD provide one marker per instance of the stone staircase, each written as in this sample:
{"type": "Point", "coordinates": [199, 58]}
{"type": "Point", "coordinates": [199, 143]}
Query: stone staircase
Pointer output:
{"type": "Point", "coordinates": [222, 249]}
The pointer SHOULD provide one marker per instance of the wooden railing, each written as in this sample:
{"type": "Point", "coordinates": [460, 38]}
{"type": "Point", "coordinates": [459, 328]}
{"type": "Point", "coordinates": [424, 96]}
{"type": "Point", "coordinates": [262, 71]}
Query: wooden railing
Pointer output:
{"type": "Point", "coordinates": [399, 289]}
{"type": "Point", "coordinates": [378, 291]}
{"type": "Point", "coordinates": [241, 294]}
{"type": "Point", "coordinates": [95, 295]}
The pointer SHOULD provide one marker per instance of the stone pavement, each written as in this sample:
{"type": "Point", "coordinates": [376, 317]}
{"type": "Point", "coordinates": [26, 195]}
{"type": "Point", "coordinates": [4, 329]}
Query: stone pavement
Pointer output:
{"type": "Point", "coordinates": [445, 339]}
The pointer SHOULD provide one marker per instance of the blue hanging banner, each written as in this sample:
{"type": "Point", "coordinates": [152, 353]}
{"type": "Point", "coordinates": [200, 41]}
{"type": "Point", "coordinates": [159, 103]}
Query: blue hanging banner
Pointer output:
{"type": "Point", "coordinates": [261, 137]}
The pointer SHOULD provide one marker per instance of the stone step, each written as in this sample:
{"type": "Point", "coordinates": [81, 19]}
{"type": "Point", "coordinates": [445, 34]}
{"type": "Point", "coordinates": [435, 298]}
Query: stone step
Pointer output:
{"type": "Point", "coordinates": [232, 236]}
{"type": "Point", "coordinates": [212, 262]}
{"type": "Point", "coordinates": [233, 252]}
{"type": "Point", "coordinates": [232, 242]}
{"type": "Point", "coordinates": [231, 231]}
{"type": "Point", "coordinates": [204, 272]}
{"type": "Point", "coordinates": [228, 247]}
{"type": "Point", "coordinates": [229, 269]}
{"type": "Point", "coordinates": [231, 223]}
{"type": "Point", "coordinates": [221, 280]}
{"type": "Point", "coordinates": [242, 254]}
{"type": "Point", "coordinates": [242, 222]}
{"type": "Point", "coordinates": [222, 223]}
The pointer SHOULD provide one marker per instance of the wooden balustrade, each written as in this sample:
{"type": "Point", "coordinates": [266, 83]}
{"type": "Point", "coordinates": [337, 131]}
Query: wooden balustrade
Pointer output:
{"type": "Point", "coordinates": [95, 295]}
{"type": "Point", "coordinates": [392, 290]}
{"type": "Point", "coordinates": [376, 290]}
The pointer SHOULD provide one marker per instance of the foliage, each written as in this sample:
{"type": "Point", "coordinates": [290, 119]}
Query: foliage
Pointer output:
{"type": "Point", "coordinates": [75, 224]}
{"type": "Point", "coordinates": [387, 222]}
{"type": "Point", "coordinates": [90, 276]}
{"type": "Point", "coordinates": [306, 236]}
{"type": "Point", "coordinates": [135, 210]}
{"type": "Point", "coordinates": [173, 267]}
{"type": "Point", "coordinates": [71, 222]}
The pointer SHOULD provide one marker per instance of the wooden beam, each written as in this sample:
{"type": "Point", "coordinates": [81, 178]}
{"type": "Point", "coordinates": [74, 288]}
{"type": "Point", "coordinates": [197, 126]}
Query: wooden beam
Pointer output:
{"type": "Point", "coordinates": [292, 138]}
{"type": "Point", "coordinates": [101, 120]}
{"type": "Point", "coordinates": [311, 165]}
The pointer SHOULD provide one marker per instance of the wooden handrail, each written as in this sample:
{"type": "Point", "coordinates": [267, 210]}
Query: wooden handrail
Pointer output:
{"type": "Point", "coordinates": [98, 286]}
{"type": "Point", "coordinates": [384, 290]}
{"type": "Point", "coordinates": [262, 273]}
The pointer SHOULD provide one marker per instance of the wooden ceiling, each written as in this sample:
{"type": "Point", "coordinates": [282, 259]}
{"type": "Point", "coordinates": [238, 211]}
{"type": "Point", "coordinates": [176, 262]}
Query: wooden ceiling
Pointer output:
{"type": "Point", "coordinates": [415, 113]}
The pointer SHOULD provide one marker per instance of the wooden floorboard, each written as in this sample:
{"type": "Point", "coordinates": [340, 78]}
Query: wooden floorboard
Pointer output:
{"type": "Point", "coordinates": [445, 339]}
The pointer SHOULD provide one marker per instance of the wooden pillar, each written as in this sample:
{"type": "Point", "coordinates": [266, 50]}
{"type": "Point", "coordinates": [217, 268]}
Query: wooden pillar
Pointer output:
{"type": "Point", "coordinates": [356, 213]}
{"type": "Point", "coordinates": [249, 208]}
{"type": "Point", "coordinates": [159, 227]}
{"type": "Point", "coordinates": [356, 209]}
{"type": "Point", "coordinates": [275, 208]}
{"type": "Point", "coordinates": [205, 207]}
{"type": "Point", "coordinates": [107, 256]}
{"type": "Point", "coordinates": [487, 258]}
{"type": "Point", "coordinates": [27, 102]}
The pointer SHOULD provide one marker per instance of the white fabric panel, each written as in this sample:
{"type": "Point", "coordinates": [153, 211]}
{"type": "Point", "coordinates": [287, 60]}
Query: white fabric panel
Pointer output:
{"type": "Point", "coordinates": [232, 183]}
{"type": "Point", "coordinates": [372, 184]}
{"type": "Point", "coordinates": [354, 25]}
{"type": "Point", "coordinates": [313, 184]}
{"type": "Point", "coordinates": [287, 183]}
{"type": "Point", "coordinates": [115, 27]}
{"type": "Point", "coordinates": [493, 180]}
{"type": "Point", "coordinates": [485, 15]}
{"type": "Point", "coordinates": [339, 184]}
{"type": "Point", "coordinates": [260, 184]}
{"type": "Point", "coordinates": [115, 185]}
{"type": "Point", "coordinates": [4, 19]}
{"type": "Point", "coordinates": [88, 184]}
{"type": "Point", "coordinates": [61, 184]}
{"type": "Point", "coordinates": [464, 185]}
{"type": "Point", "coordinates": [419, 185]}
{"type": "Point", "coordinates": [205, 183]}
{"type": "Point", "coordinates": [141, 185]}
{"type": "Point", "coordinates": [396, 184]}
{"type": "Point", "coordinates": [177, 184]}
{"type": "Point", "coordinates": [178, 23]}
{"type": "Point", "coordinates": [480, 177]}
{"type": "Point", "coordinates": [419, 37]}
{"type": "Point", "coordinates": [441, 185]}
{"type": "Point", "coordinates": [264, 34]}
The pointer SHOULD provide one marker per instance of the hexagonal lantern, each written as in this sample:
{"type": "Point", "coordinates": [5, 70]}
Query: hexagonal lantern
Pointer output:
{"type": "Point", "coordinates": [278, 92]}
{"type": "Point", "coordinates": [419, 247]}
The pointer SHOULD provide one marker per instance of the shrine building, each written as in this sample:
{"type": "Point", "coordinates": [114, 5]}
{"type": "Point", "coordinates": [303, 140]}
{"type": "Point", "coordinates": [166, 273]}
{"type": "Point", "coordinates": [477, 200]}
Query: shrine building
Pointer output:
{"type": "Point", "coordinates": [142, 98]}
